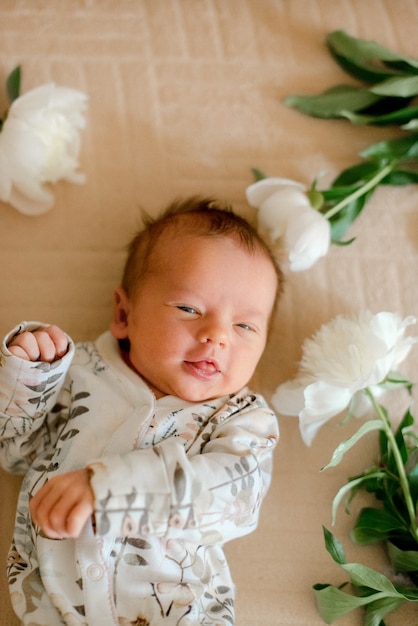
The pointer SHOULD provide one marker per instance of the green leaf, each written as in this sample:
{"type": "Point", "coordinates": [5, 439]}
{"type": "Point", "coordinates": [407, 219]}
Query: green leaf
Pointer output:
{"type": "Point", "coordinates": [402, 116]}
{"type": "Point", "coordinates": [400, 177]}
{"type": "Point", "coordinates": [378, 609]}
{"type": "Point", "coordinates": [336, 193]}
{"type": "Point", "coordinates": [348, 487]}
{"type": "Point", "coordinates": [364, 576]}
{"type": "Point", "coordinates": [348, 184]}
{"type": "Point", "coordinates": [406, 422]}
{"type": "Point", "coordinates": [258, 174]}
{"type": "Point", "coordinates": [374, 525]}
{"type": "Point", "coordinates": [332, 603]}
{"type": "Point", "coordinates": [375, 592]}
{"type": "Point", "coordinates": [13, 84]}
{"type": "Point", "coordinates": [407, 419]}
{"type": "Point", "coordinates": [334, 547]}
{"type": "Point", "coordinates": [399, 148]}
{"type": "Point", "coordinates": [341, 222]}
{"type": "Point", "coordinates": [398, 86]}
{"type": "Point", "coordinates": [332, 102]}
{"type": "Point", "coordinates": [355, 174]}
{"type": "Point", "coordinates": [367, 60]}
{"type": "Point", "coordinates": [412, 477]}
{"type": "Point", "coordinates": [344, 446]}
{"type": "Point", "coordinates": [347, 242]}
{"type": "Point", "coordinates": [403, 560]}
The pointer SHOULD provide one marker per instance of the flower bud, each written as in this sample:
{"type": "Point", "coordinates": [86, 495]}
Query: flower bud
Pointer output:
{"type": "Point", "coordinates": [286, 215]}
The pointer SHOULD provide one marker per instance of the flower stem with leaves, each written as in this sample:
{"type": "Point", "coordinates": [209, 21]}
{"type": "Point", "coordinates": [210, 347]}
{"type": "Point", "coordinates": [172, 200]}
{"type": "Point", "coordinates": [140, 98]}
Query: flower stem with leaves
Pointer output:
{"type": "Point", "coordinates": [386, 96]}
{"type": "Point", "coordinates": [347, 363]}
{"type": "Point", "coordinates": [403, 480]}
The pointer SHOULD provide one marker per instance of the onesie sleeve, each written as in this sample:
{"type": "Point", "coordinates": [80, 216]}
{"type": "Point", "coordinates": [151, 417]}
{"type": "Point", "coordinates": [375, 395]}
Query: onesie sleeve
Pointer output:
{"type": "Point", "coordinates": [28, 392]}
{"type": "Point", "coordinates": [207, 498]}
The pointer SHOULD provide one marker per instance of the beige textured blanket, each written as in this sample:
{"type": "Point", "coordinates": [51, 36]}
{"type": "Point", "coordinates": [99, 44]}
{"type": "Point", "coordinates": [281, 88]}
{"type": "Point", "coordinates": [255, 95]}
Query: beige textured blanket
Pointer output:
{"type": "Point", "coordinates": [185, 96]}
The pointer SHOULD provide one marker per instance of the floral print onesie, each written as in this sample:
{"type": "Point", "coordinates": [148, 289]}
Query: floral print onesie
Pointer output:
{"type": "Point", "coordinates": [173, 481]}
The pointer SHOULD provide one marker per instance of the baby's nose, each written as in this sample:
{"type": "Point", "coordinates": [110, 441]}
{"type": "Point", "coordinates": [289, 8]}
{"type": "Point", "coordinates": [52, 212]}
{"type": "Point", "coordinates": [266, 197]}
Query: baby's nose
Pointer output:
{"type": "Point", "coordinates": [213, 333]}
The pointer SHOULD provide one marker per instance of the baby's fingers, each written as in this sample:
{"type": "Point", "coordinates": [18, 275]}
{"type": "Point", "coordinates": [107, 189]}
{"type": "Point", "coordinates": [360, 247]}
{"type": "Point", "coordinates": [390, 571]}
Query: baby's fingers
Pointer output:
{"type": "Point", "coordinates": [47, 344]}
{"type": "Point", "coordinates": [25, 346]}
{"type": "Point", "coordinates": [58, 338]}
{"type": "Point", "coordinates": [63, 505]}
{"type": "Point", "coordinates": [48, 510]}
{"type": "Point", "coordinates": [77, 518]}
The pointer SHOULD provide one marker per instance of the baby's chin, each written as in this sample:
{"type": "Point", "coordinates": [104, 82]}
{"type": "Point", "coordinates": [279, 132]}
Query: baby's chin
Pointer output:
{"type": "Point", "coordinates": [188, 395]}
{"type": "Point", "coordinates": [199, 396]}
{"type": "Point", "coordinates": [191, 390]}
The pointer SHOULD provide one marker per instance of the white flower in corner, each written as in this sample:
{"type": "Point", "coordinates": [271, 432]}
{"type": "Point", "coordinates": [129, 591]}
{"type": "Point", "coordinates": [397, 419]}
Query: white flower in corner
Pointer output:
{"type": "Point", "coordinates": [39, 144]}
{"type": "Point", "coordinates": [285, 212]}
{"type": "Point", "coordinates": [346, 356]}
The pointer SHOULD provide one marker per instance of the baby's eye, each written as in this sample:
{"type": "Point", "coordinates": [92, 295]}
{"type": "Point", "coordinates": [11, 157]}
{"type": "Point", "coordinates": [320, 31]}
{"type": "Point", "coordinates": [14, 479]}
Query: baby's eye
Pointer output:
{"type": "Point", "coordinates": [187, 309]}
{"type": "Point", "coordinates": [245, 326]}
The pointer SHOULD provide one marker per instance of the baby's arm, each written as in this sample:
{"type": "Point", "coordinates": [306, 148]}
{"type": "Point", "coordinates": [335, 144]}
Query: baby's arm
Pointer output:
{"type": "Point", "coordinates": [62, 506]}
{"type": "Point", "coordinates": [210, 496]}
{"type": "Point", "coordinates": [46, 344]}
{"type": "Point", "coordinates": [29, 390]}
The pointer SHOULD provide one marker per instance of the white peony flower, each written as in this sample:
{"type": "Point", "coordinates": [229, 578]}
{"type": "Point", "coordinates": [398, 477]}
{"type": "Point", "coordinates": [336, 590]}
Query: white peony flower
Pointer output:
{"type": "Point", "coordinates": [39, 144]}
{"type": "Point", "coordinates": [284, 211]}
{"type": "Point", "coordinates": [345, 356]}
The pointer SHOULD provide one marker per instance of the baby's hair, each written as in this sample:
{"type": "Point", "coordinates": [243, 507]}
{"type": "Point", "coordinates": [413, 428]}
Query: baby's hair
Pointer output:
{"type": "Point", "coordinates": [195, 216]}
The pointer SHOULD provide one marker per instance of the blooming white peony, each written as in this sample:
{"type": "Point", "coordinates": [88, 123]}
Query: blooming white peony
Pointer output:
{"type": "Point", "coordinates": [346, 356]}
{"type": "Point", "coordinates": [40, 143]}
{"type": "Point", "coordinates": [284, 211]}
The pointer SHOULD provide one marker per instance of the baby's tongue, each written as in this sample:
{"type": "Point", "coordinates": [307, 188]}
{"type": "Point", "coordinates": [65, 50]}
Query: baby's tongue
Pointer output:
{"type": "Point", "coordinates": [206, 366]}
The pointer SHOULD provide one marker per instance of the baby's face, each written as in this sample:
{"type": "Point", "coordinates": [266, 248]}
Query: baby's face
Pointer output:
{"type": "Point", "coordinates": [198, 324]}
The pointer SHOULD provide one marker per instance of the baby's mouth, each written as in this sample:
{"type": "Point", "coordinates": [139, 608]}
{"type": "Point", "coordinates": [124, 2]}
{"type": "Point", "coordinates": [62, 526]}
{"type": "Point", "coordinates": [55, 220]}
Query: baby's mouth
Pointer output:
{"type": "Point", "coordinates": [206, 368]}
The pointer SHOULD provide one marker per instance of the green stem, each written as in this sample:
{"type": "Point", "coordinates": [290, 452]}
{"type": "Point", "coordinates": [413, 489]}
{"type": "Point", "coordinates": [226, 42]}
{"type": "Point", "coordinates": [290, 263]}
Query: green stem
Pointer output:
{"type": "Point", "coordinates": [399, 464]}
{"type": "Point", "coordinates": [361, 191]}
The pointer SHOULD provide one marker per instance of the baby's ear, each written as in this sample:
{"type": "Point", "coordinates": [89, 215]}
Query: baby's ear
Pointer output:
{"type": "Point", "coordinates": [119, 324]}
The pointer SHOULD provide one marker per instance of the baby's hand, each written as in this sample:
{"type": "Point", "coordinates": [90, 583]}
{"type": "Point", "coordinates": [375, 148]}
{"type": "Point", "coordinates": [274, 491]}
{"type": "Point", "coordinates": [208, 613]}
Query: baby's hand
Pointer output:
{"type": "Point", "coordinates": [46, 344]}
{"type": "Point", "coordinates": [63, 505]}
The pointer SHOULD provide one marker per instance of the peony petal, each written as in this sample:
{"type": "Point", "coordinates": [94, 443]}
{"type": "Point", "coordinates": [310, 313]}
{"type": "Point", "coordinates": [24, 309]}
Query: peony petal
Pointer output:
{"type": "Point", "coordinates": [258, 192]}
{"type": "Point", "coordinates": [288, 398]}
{"type": "Point", "coordinates": [71, 103]}
{"type": "Point", "coordinates": [308, 238]}
{"type": "Point", "coordinates": [26, 192]}
{"type": "Point", "coordinates": [5, 181]}
{"type": "Point", "coordinates": [31, 102]}
{"type": "Point", "coordinates": [276, 212]}
{"type": "Point", "coordinates": [360, 403]}
{"type": "Point", "coordinates": [389, 328]}
{"type": "Point", "coordinates": [308, 432]}
{"type": "Point", "coordinates": [66, 100]}
{"type": "Point", "coordinates": [323, 401]}
{"type": "Point", "coordinates": [28, 206]}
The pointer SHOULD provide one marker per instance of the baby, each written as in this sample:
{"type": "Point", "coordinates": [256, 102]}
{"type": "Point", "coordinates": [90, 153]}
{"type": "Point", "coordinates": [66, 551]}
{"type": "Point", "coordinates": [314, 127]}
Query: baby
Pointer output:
{"type": "Point", "coordinates": [144, 452]}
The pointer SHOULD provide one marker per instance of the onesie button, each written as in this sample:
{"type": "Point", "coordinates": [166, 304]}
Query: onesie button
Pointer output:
{"type": "Point", "coordinates": [95, 572]}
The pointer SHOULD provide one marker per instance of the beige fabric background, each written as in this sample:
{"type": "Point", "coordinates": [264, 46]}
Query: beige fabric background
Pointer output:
{"type": "Point", "coordinates": [185, 97]}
